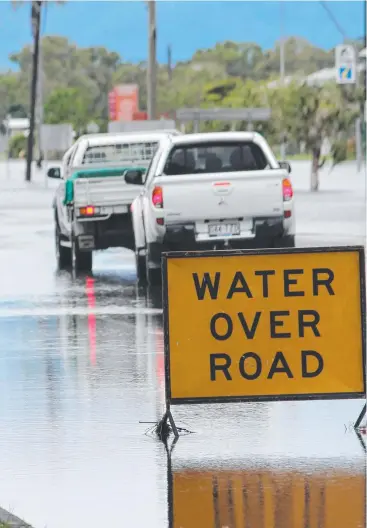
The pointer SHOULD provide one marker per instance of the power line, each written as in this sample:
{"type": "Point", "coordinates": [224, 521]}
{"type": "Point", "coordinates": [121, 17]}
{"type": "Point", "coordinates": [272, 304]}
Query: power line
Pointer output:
{"type": "Point", "coordinates": [334, 20]}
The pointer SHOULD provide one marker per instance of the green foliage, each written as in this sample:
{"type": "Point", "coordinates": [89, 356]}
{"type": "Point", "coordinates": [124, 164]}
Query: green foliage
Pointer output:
{"type": "Point", "coordinates": [310, 114]}
{"type": "Point", "coordinates": [339, 151]}
{"type": "Point", "coordinates": [95, 70]}
{"type": "Point", "coordinates": [13, 93]}
{"type": "Point", "coordinates": [89, 70]}
{"type": "Point", "coordinates": [68, 105]}
{"type": "Point", "coordinates": [17, 144]}
{"type": "Point", "coordinates": [76, 82]}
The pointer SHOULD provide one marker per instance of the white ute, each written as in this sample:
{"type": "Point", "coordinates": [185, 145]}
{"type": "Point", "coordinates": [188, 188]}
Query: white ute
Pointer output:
{"type": "Point", "coordinates": [211, 191]}
{"type": "Point", "coordinates": [92, 203]}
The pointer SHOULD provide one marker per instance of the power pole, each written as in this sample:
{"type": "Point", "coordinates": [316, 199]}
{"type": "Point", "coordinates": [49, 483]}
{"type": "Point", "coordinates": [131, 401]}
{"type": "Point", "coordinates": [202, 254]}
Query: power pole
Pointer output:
{"type": "Point", "coordinates": [152, 61]}
{"type": "Point", "coordinates": [282, 67]}
{"type": "Point", "coordinates": [169, 62]}
{"type": "Point", "coordinates": [40, 101]}
{"type": "Point", "coordinates": [358, 122]}
{"type": "Point", "coordinates": [36, 22]}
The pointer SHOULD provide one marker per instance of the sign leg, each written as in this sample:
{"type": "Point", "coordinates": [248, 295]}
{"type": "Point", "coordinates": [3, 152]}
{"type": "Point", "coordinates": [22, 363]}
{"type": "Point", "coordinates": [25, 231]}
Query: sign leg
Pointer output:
{"type": "Point", "coordinates": [360, 417]}
{"type": "Point", "coordinates": [172, 422]}
{"type": "Point", "coordinates": [362, 442]}
{"type": "Point", "coordinates": [162, 429]}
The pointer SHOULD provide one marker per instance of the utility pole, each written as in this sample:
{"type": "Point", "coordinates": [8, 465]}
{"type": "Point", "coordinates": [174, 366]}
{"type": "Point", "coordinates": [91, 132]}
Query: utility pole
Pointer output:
{"type": "Point", "coordinates": [152, 61]}
{"type": "Point", "coordinates": [282, 42]}
{"type": "Point", "coordinates": [36, 22]}
{"type": "Point", "coordinates": [169, 62]}
{"type": "Point", "coordinates": [282, 67]}
{"type": "Point", "coordinates": [169, 72]}
{"type": "Point", "coordinates": [358, 122]}
{"type": "Point", "coordinates": [40, 100]}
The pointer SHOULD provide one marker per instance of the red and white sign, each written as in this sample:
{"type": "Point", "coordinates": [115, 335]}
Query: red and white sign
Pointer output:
{"type": "Point", "coordinates": [127, 101]}
{"type": "Point", "coordinates": [123, 102]}
{"type": "Point", "coordinates": [112, 105]}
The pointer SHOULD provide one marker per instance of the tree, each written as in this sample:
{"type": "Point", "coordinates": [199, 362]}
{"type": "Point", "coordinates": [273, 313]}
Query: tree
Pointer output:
{"type": "Point", "coordinates": [229, 74]}
{"type": "Point", "coordinates": [66, 65]}
{"type": "Point", "coordinates": [311, 114]}
{"type": "Point", "coordinates": [12, 95]}
{"type": "Point", "coordinates": [17, 145]}
{"type": "Point", "coordinates": [69, 105]}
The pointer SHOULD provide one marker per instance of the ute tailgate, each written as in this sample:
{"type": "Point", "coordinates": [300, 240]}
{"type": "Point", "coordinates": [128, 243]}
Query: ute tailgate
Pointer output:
{"type": "Point", "coordinates": [104, 192]}
{"type": "Point", "coordinates": [203, 197]}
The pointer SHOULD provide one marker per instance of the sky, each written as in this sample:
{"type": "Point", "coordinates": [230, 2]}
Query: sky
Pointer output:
{"type": "Point", "coordinates": [187, 26]}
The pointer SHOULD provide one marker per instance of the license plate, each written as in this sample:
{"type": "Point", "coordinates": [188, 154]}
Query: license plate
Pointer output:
{"type": "Point", "coordinates": [117, 209]}
{"type": "Point", "coordinates": [224, 229]}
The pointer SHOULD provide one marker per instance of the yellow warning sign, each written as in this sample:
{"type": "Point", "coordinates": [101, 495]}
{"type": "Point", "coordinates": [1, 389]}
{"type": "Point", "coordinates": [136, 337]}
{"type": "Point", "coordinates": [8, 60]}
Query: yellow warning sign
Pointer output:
{"type": "Point", "coordinates": [264, 325]}
{"type": "Point", "coordinates": [271, 499]}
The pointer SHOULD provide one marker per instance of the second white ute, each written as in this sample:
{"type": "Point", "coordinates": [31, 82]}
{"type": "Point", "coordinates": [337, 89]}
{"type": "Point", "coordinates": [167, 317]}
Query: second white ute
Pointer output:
{"type": "Point", "coordinates": [211, 191]}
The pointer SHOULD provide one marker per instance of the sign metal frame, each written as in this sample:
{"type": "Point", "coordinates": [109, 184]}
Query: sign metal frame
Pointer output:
{"type": "Point", "coordinates": [348, 63]}
{"type": "Point", "coordinates": [266, 398]}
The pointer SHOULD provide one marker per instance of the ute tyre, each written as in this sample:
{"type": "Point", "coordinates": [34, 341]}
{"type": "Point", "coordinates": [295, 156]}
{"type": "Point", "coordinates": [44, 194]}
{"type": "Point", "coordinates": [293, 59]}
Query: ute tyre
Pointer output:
{"type": "Point", "coordinates": [287, 241]}
{"type": "Point", "coordinates": [63, 254]}
{"type": "Point", "coordinates": [82, 261]}
{"type": "Point", "coordinates": [141, 272]}
{"type": "Point", "coordinates": [153, 275]}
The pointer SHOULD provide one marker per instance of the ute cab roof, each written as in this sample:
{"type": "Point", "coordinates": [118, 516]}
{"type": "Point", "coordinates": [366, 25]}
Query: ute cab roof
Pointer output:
{"type": "Point", "coordinates": [216, 136]}
{"type": "Point", "coordinates": [126, 137]}
{"type": "Point", "coordinates": [221, 137]}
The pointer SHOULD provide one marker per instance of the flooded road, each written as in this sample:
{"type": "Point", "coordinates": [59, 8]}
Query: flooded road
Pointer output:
{"type": "Point", "coordinates": [82, 365]}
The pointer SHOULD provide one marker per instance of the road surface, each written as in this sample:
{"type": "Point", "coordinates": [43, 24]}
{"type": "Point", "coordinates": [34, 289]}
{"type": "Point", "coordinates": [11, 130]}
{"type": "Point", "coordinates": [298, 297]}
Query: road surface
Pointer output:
{"type": "Point", "coordinates": [82, 364]}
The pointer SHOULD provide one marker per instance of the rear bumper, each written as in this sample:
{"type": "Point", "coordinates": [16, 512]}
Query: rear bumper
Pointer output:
{"type": "Point", "coordinates": [264, 229]}
{"type": "Point", "coordinates": [116, 231]}
{"type": "Point", "coordinates": [266, 233]}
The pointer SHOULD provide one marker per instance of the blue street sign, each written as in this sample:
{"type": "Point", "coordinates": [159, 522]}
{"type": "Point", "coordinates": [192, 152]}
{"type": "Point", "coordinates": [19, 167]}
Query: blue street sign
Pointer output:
{"type": "Point", "coordinates": [345, 73]}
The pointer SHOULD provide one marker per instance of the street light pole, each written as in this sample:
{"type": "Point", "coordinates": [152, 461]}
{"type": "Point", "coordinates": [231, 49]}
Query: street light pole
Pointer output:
{"type": "Point", "coordinates": [36, 22]}
{"type": "Point", "coordinates": [152, 61]}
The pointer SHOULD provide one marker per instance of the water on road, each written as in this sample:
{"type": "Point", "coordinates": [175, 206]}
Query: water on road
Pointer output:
{"type": "Point", "coordinates": [81, 365]}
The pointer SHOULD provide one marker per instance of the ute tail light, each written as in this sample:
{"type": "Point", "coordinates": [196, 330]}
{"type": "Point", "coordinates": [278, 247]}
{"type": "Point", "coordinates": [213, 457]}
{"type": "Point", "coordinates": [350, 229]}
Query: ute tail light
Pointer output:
{"type": "Point", "coordinates": [287, 190]}
{"type": "Point", "coordinates": [157, 197]}
{"type": "Point", "coordinates": [87, 211]}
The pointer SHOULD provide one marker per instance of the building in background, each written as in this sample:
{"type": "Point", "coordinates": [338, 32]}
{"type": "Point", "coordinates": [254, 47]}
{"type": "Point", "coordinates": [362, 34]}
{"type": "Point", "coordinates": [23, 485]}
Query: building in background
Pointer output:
{"type": "Point", "coordinates": [17, 125]}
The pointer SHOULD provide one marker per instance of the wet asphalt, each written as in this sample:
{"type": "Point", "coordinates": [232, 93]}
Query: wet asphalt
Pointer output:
{"type": "Point", "coordinates": [81, 366]}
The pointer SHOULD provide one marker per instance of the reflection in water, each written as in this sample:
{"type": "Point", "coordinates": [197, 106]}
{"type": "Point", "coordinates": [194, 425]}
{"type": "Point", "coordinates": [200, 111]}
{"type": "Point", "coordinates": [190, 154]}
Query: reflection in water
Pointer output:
{"type": "Point", "coordinates": [108, 290]}
{"type": "Point", "coordinates": [268, 498]}
{"type": "Point", "coordinates": [91, 319]}
{"type": "Point", "coordinates": [91, 357]}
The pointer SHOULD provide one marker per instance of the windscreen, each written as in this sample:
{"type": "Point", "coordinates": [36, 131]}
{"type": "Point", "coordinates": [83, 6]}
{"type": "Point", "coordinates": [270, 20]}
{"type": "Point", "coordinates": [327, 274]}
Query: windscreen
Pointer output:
{"type": "Point", "coordinates": [120, 153]}
{"type": "Point", "coordinates": [215, 157]}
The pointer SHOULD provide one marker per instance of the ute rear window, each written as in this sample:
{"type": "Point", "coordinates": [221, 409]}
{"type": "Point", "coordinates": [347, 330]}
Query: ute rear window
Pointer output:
{"type": "Point", "coordinates": [215, 157]}
{"type": "Point", "coordinates": [120, 153]}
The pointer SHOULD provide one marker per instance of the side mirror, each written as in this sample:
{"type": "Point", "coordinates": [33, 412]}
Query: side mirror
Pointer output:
{"type": "Point", "coordinates": [54, 172]}
{"type": "Point", "coordinates": [285, 165]}
{"type": "Point", "coordinates": [134, 177]}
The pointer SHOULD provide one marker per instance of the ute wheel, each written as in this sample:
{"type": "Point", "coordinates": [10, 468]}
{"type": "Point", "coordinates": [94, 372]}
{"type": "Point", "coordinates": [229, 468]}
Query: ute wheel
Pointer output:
{"type": "Point", "coordinates": [141, 271]}
{"type": "Point", "coordinates": [153, 275]}
{"type": "Point", "coordinates": [287, 241]}
{"type": "Point", "coordinates": [81, 260]}
{"type": "Point", "coordinates": [63, 254]}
